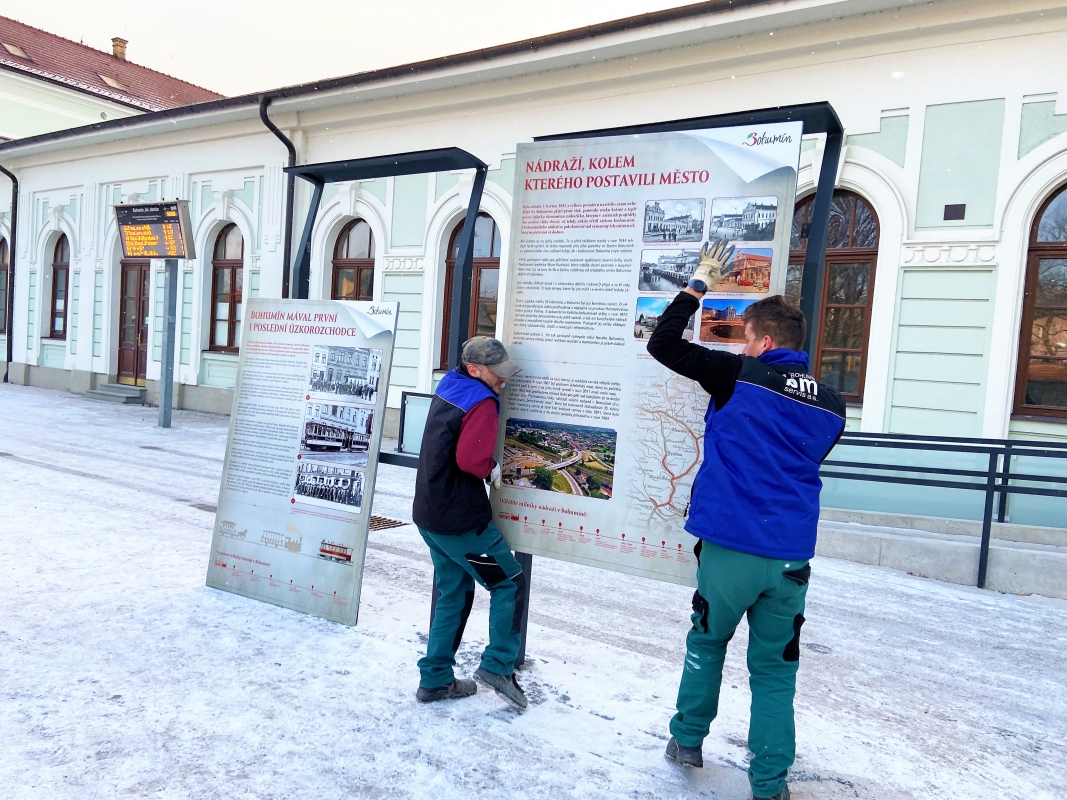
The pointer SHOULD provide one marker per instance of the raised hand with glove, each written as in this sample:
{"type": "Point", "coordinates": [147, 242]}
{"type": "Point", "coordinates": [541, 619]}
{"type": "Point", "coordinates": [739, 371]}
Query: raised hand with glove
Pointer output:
{"type": "Point", "coordinates": [715, 257]}
{"type": "Point", "coordinates": [495, 477]}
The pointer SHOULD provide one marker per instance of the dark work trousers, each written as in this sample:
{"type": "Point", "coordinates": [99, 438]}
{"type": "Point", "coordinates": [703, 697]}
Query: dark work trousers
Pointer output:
{"type": "Point", "coordinates": [770, 592]}
{"type": "Point", "coordinates": [459, 561]}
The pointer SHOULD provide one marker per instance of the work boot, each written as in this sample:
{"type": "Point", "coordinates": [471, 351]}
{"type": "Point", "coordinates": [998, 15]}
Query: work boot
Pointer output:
{"type": "Point", "coordinates": [687, 756]}
{"type": "Point", "coordinates": [782, 795]}
{"type": "Point", "coordinates": [460, 687]}
{"type": "Point", "coordinates": [505, 685]}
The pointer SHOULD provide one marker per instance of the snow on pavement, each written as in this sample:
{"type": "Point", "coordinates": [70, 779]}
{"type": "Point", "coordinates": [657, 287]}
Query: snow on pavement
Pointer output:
{"type": "Point", "coordinates": [121, 674]}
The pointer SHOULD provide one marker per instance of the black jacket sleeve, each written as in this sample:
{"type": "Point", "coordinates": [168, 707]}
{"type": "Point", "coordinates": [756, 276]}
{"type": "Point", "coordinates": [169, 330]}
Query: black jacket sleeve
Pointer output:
{"type": "Point", "coordinates": [716, 371]}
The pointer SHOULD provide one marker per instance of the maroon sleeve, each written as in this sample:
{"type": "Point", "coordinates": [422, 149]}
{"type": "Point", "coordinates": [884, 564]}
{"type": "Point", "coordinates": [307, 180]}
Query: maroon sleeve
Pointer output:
{"type": "Point", "coordinates": [477, 439]}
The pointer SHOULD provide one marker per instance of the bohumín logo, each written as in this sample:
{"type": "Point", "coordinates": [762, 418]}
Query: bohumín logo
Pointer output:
{"type": "Point", "coordinates": [755, 139]}
{"type": "Point", "coordinates": [375, 311]}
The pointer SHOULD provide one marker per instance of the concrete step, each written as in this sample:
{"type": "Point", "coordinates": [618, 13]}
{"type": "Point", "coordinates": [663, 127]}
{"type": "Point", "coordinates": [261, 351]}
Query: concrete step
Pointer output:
{"type": "Point", "coordinates": [119, 393]}
{"type": "Point", "coordinates": [1005, 531]}
{"type": "Point", "coordinates": [1014, 567]}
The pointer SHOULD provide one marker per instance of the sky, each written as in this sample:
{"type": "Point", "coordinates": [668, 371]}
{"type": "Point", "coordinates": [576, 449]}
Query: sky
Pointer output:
{"type": "Point", "coordinates": [236, 47]}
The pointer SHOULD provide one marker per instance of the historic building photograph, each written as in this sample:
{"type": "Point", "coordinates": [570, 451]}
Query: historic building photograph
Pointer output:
{"type": "Point", "coordinates": [749, 219]}
{"type": "Point", "coordinates": [350, 372]}
{"type": "Point", "coordinates": [674, 221]}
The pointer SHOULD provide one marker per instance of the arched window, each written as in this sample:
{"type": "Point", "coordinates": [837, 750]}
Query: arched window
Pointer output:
{"type": "Point", "coordinates": [57, 319]}
{"type": "Point", "coordinates": [353, 263]}
{"type": "Point", "coordinates": [840, 358]}
{"type": "Point", "coordinates": [484, 286]}
{"type": "Point", "coordinates": [227, 270]}
{"type": "Point", "coordinates": [1041, 381]}
{"type": "Point", "coordinates": [4, 267]}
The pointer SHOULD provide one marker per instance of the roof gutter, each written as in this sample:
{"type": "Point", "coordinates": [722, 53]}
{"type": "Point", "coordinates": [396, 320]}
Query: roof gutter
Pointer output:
{"type": "Point", "coordinates": [10, 321]}
{"type": "Point", "coordinates": [290, 188]}
{"type": "Point", "coordinates": [412, 70]}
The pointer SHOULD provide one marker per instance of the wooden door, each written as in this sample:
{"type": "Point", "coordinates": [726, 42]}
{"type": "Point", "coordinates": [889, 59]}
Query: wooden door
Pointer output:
{"type": "Point", "coordinates": [133, 322]}
{"type": "Point", "coordinates": [482, 321]}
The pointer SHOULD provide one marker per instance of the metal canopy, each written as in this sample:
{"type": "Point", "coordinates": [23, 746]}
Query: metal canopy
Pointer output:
{"type": "Point", "coordinates": [817, 118]}
{"type": "Point", "coordinates": [420, 161]}
{"type": "Point", "coordinates": [358, 169]}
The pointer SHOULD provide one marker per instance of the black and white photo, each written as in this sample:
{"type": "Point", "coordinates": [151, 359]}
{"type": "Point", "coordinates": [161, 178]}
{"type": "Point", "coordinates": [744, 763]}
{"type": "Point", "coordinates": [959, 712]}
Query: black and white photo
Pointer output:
{"type": "Point", "coordinates": [351, 373]}
{"type": "Point", "coordinates": [674, 221]}
{"type": "Point", "coordinates": [329, 485]}
{"type": "Point", "coordinates": [746, 219]}
{"type": "Point", "coordinates": [336, 433]}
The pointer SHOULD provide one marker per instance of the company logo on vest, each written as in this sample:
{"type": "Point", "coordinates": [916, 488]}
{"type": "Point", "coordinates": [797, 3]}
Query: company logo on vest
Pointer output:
{"type": "Point", "coordinates": [803, 385]}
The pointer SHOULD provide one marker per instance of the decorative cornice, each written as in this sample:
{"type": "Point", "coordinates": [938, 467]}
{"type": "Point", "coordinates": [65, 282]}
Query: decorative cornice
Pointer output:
{"type": "Point", "coordinates": [404, 264]}
{"type": "Point", "coordinates": [957, 254]}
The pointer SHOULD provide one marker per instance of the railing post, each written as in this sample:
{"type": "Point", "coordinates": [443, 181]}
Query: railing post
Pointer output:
{"type": "Point", "coordinates": [987, 518]}
{"type": "Point", "coordinates": [1005, 479]}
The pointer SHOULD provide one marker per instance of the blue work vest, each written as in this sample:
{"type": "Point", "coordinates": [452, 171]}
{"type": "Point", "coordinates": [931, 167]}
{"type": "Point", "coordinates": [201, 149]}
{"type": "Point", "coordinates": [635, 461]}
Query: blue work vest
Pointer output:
{"type": "Point", "coordinates": [757, 490]}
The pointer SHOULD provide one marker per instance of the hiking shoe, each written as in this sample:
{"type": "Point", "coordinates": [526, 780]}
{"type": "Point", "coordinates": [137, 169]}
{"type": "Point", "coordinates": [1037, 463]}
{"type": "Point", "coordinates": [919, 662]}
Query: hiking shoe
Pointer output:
{"type": "Point", "coordinates": [782, 795]}
{"type": "Point", "coordinates": [687, 756]}
{"type": "Point", "coordinates": [505, 685]}
{"type": "Point", "coordinates": [460, 687]}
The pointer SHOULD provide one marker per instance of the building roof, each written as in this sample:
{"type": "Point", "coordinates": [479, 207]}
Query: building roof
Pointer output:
{"type": "Point", "coordinates": [45, 56]}
{"type": "Point", "coordinates": [316, 90]}
{"type": "Point", "coordinates": [691, 24]}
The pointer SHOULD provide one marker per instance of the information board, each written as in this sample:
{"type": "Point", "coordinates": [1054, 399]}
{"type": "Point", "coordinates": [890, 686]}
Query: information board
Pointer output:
{"type": "Point", "coordinates": [600, 444]}
{"type": "Point", "coordinates": [155, 230]}
{"type": "Point", "coordinates": [302, 454]}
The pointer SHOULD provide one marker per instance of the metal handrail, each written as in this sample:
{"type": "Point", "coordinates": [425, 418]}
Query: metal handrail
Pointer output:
{"type": "Point", "coordinates": [961, 439]}
{"type": "Point", "coordinates": [995, 481]}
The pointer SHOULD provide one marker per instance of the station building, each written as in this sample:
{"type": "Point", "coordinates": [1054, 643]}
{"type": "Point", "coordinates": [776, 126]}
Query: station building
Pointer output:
{"type": "Point", "coordinates": [946, 304]}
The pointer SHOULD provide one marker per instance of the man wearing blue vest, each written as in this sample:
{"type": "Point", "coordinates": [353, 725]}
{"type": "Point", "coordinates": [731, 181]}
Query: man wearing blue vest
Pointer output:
{"type": "Point", "coordinates": [452, 510]}
{"type": "Point", "coordinates": [755, 511]}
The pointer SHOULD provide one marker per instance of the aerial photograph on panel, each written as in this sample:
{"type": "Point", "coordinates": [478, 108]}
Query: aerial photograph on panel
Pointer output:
{"type": "Point", "coordinates": [572, 459]}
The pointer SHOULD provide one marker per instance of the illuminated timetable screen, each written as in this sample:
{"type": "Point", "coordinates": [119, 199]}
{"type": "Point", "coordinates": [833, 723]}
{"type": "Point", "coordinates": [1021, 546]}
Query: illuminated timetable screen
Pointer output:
{"type": "Point", "coordinates": [155, 230]}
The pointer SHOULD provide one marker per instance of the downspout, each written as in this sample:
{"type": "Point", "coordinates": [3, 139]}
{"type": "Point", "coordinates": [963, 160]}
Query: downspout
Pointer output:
{"type": "Point", "coordinates": [290, 188]}
{"type": "Point", "coordinates": [11, 271]}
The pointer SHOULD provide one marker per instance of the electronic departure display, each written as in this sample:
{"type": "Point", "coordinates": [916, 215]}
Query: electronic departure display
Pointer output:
{"type": "Point", "coordinates": [155, 230]}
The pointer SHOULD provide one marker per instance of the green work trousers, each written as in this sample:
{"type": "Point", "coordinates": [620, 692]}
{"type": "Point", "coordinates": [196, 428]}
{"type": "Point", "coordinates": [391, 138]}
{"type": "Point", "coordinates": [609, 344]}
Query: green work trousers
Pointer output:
{"type": "Point", "coordinates": [771, 593]}
{"type": "Point", "coordinates": [459, 561]}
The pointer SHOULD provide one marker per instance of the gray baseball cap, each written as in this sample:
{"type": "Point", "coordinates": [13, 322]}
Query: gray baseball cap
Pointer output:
{"type": "Point", "coordinates": [490, 353]}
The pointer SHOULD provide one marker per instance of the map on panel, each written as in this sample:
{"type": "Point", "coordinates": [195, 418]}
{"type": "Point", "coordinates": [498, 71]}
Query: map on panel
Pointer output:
{"type": "Point", "coordinates": [667, 446]}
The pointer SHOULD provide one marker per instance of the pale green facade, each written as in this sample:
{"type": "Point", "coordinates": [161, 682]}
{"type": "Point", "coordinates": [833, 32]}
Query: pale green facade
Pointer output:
{"type": "Point", "coordinates": [29, 107]}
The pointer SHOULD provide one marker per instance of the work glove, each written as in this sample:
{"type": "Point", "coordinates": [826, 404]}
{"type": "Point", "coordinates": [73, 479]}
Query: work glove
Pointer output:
{"type": "Point", "coordinates": [495, 476]}
{"type": "Point", "coordinates": [714, 258]}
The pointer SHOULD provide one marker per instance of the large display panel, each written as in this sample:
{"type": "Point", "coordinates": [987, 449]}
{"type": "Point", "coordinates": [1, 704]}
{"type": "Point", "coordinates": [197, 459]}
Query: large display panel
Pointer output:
{"type": "Point", "coordinates": [155, 230]}
{"type": "Point", "coordinates": [302, 454]}
{"type": "Point", "coordinates": [601, 443]}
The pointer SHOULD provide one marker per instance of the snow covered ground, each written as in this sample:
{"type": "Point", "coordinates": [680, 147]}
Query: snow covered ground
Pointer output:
{"type": "Point", "coordinates": [121, 674]}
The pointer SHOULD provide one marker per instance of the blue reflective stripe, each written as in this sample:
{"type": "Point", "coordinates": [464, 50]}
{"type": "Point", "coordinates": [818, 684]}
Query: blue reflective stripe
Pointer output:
{"type": "Point", "coordinates": [464, 392]}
